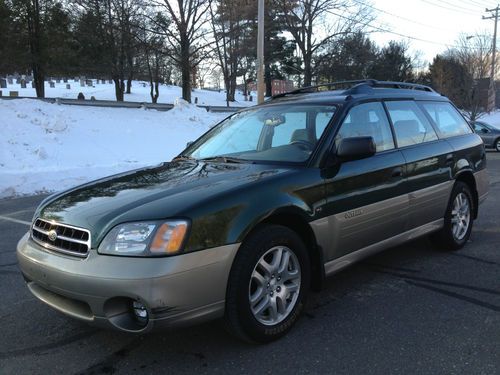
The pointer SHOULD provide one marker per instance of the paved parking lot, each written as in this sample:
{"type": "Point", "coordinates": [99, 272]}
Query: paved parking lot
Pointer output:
{"type": "Point", "coordinates": [407, 310]}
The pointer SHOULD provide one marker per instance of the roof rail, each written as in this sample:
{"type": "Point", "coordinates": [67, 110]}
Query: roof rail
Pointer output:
{"type": "Point", "coordinates": [356, 87]}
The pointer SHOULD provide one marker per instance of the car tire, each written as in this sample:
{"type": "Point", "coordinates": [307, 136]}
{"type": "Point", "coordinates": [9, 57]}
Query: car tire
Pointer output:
{"type": "Point", "coordinates": [268, 284]}
{"type": "Point", "coordinates": [458, 220]}
{"type": "Point", "coordinates": [496, 145]}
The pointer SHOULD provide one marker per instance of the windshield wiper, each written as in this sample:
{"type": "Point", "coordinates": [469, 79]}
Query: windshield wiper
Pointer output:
{"type": "Point", "coordinates": [226, 159]}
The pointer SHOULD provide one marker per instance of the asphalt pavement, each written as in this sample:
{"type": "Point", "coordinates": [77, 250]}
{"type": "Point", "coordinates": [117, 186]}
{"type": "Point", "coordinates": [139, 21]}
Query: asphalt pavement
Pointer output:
{"type": "Point", "coordinates": [408, 310]}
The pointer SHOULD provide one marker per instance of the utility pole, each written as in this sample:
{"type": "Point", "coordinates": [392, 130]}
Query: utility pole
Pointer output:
{"type": "Point", "coordinates": [260, 54]}
{"type": "Point", "coordinates": [491, 90]}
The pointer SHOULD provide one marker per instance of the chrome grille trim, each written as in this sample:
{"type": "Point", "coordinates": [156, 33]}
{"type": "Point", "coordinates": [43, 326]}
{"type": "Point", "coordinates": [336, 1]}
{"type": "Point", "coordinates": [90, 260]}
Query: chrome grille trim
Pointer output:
{"type": "Point", "coordinates": [70, 240]}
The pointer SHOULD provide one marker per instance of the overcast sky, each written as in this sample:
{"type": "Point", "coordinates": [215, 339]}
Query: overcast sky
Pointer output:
{"type": "Point", "coordinates": [437, 23]}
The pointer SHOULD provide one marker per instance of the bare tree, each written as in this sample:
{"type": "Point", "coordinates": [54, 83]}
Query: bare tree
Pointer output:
{"type": "Point", "coordinates": [308, 20]}
{"type": "Point", "coordinates": [231, 24]}
{"type": "Point", "coordinates": [185, 33]}
{"type": "Point", "coordinates": [473, 54]}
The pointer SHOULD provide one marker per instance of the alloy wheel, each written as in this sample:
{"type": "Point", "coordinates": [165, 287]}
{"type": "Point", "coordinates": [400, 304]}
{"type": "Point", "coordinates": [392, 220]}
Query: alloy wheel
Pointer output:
{"type": "Point", "coordinates": [274, 285]}
{"type": "Point", "coordinates": [460, 216]}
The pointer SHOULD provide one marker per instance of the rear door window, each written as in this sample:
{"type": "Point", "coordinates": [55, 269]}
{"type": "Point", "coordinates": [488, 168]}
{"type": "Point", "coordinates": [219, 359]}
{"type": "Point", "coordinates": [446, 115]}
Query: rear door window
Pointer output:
{"type": "Point", "coordinates": [410, 124]}
{"type": "Point", "coordinates": [447, 119]}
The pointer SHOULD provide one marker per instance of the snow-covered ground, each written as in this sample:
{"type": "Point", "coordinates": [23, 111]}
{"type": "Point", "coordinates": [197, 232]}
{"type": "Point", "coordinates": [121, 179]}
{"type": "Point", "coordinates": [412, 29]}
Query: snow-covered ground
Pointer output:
{"type": "Point", "coordinates": [493, 119]}
{"type": "Point", "coordinates": [49, 147]}
{"type": "Point", "coordinates": [139, 93]}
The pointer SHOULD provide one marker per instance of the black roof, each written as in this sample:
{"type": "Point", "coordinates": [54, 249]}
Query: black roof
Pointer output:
{"type": "Point", "coordinates": [345, 90]}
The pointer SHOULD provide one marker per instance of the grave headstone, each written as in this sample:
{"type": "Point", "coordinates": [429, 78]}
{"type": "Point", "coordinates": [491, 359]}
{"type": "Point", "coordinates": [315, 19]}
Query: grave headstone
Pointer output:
{"type": "Point", "coordinates": [195, 100]}
{"type": "Point", "coordinates": [14, 94]}
{"type": "Point", "coordinates": [89, 82]}
{"type": "Point", "coordinates": [3, 83]}
{"type": "Point", "coordinates": [92, 98]}
{"type": "Point", "coordinates": [32, 84]}
{"type": "Point", "coordinates": [58, 81]}
{"type": "Point", "coordinates": [65, 80]}
{"type": "Point", "coordinates": [0, 93]}
{"type": "Point", "coordinates": [23, 83]}
{"type": "Point", "coordinates": [10, 81]}
{"type": "Point", "coordinates": [250, 98]}
{"type": "Point", "coordinates": [52, 84]}
{"type": "Point", "coordinates": [110, 81]}
{"type": "Point", "coordinates": [18, 81]}
{"type": "Point", "coordinates": [144, 84]}
{"type": "Point", "coordinates": [68, 86]}
{"type": "Point", "coordinates": [82, 83]}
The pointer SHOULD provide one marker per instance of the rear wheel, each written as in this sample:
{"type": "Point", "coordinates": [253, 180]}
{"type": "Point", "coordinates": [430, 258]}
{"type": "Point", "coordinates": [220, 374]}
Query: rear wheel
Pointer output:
{"type": "Point", "coordinates": [268, 284]}
{"type": "Point", "coordinates": [458, 219]}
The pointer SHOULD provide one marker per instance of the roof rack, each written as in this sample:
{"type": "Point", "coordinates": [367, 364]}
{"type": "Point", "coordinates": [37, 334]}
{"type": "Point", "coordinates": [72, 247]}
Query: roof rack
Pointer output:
{"type": "Point", "coordinates": [357, 87]}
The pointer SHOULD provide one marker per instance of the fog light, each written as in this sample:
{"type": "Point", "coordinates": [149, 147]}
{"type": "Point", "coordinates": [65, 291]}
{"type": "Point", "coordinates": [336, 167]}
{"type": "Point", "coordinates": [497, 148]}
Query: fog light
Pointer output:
{"type": "Point", "coordinates": [140, 312]}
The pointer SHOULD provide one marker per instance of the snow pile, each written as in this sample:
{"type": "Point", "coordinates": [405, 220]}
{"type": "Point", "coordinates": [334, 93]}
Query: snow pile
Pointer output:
{"type": "Point", "coordinates": [49, 147]}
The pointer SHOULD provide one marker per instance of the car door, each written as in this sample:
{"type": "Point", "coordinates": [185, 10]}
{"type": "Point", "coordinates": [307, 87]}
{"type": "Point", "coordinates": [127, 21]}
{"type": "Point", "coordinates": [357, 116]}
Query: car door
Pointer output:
{"type": "Point", "coordinates": [365, 201]}
{"type": "Point", "coordinates": [484, 133]}
{"type": "Point", "coordinates": [428, 162]}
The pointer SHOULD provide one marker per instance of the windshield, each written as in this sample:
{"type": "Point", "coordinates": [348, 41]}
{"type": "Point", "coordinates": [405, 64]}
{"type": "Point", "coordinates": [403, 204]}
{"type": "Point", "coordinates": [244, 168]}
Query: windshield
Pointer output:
{"type": "Point", "coordinates": [274, 133]}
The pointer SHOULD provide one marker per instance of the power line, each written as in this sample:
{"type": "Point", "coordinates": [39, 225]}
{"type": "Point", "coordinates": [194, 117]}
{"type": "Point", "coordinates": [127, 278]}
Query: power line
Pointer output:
{"type": "Point", "coordinates": [450, 9]}
{"type": "Point", "coordinates": [401, 17]}
{"type": "Point", "coordinates": [457, 6]}
{"type": "Point", "coordinates": [477, 3]}
{"type": "Point", "coordinates": [381, 29]}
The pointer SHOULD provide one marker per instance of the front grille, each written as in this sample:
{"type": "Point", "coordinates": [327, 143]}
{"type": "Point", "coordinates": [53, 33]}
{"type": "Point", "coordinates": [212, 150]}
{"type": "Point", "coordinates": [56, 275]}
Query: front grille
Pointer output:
{"type": "Point", "coordinates": [69, 240]}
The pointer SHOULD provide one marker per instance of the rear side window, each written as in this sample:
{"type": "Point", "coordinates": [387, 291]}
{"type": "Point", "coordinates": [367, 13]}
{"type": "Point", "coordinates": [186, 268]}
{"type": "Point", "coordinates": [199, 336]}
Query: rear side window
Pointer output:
{"type": "Point", "coordinates": [410, 124]}
{"type": "Point", "coordinates": [367, 120]}
{"type": "Point", "coordinates": [447, 119]}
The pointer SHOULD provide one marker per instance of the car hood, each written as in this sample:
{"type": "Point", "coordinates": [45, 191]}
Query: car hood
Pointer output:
{"type": "Point", "coordinates": [155, 193]}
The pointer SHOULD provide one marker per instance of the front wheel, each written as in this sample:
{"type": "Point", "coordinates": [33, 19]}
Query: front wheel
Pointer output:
{"type": "Point", "coordinates": [268, 284]}
{"type": "Point", "coordinates": [497, 145]}
{"type": "Point", "coordinates": [458, 219]}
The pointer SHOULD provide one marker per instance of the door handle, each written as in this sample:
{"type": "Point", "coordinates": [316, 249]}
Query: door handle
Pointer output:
{"type": "Point", "coordinates": [397, 172]}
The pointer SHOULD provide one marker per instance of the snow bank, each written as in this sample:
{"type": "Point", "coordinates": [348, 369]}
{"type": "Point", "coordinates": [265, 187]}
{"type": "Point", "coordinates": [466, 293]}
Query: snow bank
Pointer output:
{"type": "Point", "coordinates": [48, 147]}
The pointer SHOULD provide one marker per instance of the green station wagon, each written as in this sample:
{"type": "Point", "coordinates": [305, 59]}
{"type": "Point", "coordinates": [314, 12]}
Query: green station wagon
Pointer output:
{"type": "Point", "coordinates": [259, 210]}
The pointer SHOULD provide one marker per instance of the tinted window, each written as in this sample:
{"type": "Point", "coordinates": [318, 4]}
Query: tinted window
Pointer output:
{"type": "Point", "coordinates": [447, 119]}
{"type": "Point", "coordinates": [410, 124]}
{"type": "Point", "coordinates": [367, 120]}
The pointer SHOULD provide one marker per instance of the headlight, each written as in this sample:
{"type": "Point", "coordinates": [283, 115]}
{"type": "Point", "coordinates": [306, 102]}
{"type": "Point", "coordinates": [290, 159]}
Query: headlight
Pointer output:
{"type": "Point", "coordinates": [145, 239]}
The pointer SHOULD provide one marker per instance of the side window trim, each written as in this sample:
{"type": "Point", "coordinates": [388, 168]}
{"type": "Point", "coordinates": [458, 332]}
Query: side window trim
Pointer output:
{"type": "Point", "coordinates": [394, 139]}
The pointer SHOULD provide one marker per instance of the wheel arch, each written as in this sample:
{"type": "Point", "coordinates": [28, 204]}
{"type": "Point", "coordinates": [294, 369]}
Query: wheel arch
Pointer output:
{"type": "Point", "coordinates": [467, 177]}
{"type": "Point", "coordinates": [299, 224]}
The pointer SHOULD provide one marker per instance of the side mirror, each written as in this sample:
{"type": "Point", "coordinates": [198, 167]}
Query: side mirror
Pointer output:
{"type": "Point", "coordinates": [189, 144]}
{"type": "Point", "coordinates": [356, 148]}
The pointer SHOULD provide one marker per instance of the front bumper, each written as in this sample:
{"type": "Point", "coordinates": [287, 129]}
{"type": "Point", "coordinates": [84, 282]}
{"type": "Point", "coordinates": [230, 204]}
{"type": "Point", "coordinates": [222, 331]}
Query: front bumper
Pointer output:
{"type": "Point", "coordinates": [99, 289]}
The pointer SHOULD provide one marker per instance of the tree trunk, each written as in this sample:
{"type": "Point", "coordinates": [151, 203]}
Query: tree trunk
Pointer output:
{"type": "Point", "coordinates": [118, 89]}
{"type": "Point", "coordinates": [129, 83]}
{"type": "Point", "coordinates": [307, 72]}
{"type": "Point", "coordinates": [268, 80]}
{"type": "Point", "coordinates": [185, 70]}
